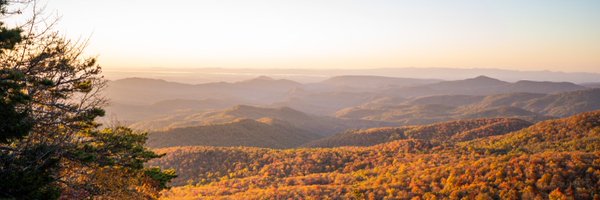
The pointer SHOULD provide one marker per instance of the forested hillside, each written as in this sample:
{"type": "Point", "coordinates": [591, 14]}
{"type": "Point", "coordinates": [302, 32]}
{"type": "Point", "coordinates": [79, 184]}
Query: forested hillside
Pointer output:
{"type": "Point", "coordinates": [532, 107]}
{"type": "Point", "coordinates": [446, 131]}
{"type": "Point", "coordinates": [554, 159]}
{"type": "Point", "coordinates": [322, 125]}
{"type": "Point", "coordinates": [264, 132]}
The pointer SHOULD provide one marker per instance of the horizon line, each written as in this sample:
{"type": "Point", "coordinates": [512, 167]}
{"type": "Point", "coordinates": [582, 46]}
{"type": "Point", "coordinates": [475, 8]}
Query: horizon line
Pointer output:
{"type": "Point", "coordinates": [114, 69]}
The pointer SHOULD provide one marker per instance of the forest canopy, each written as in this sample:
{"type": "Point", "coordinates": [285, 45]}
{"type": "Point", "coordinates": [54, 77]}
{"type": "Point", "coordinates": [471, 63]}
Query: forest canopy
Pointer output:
{"type": "Point", "coordinates": [554, 159]}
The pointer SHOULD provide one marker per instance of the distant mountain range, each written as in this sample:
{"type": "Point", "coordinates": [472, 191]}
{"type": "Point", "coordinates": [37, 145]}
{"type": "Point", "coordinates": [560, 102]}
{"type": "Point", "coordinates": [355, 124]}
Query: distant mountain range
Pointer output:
{"type": "Point", "coordinates": [147, 91]}
{"type": "Point", "coordinates": [245, 125]}
{"type": "Point", "coordinates": [321, 125]}
{"type": "Point", "coordinates": [483, 85]}
{"type": "Point", "coordinates": [128, 113]}
{"type": "Point", "coordinates": [135, 99]}
{"type": "Point", "coordinates": [423, 110]}
{"type": "Point", "coordinates": [206, 75]}
{"type": "Point", "coordinates": [180, 114]}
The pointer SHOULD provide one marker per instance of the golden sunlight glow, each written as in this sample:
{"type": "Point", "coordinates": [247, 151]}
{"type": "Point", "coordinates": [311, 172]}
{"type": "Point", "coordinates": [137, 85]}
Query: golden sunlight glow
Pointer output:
{"type": "Point", "coordinates": [532, 35]}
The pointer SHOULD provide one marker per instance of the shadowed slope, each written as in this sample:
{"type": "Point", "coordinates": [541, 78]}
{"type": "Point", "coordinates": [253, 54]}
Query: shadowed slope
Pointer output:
{"type": "Point", "coordinates": [440, 132]}
{"type": "Point", "coordinates": [264, 132]}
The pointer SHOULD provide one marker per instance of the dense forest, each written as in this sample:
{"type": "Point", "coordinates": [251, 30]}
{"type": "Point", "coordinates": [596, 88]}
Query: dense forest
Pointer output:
{"type": "Point", "coordinates": [554, 159]}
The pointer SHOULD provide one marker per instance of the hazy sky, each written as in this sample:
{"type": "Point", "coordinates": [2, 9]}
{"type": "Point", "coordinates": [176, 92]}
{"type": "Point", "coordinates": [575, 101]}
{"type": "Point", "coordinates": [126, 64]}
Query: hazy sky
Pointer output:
{"type": "Point", "coordinates": [561, 35]}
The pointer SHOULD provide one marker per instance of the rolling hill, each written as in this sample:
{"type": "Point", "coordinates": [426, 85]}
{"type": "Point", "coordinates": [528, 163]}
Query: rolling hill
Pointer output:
{"type": "Point", "coordinates": [577, 133]}
{"type": "Point", "coordinates": [470, 84]}
{"type": "Point", "coordinates": [483, 85]}
{"type": "Point", "coordinates": [143, 91]}
{"type": "Point", "coordinates": [320, 125]}
{"type": "Point", "coordinates": [565, 104]}
{"type": "Point", "coordinates": [135, 97]}
{"type": "Point", "coordinates": [554, 159]}
{"type": "Point", "coordinates": [133, 113]}
{"type": "Point", "coordinates": [264, 132]}
{"type": "Point", "coordinates": [592, 84]}
{"type": "Point", "coordinates": [545, 87]}
{"type": "Point", "coordinates": [445, 131]}
{"type": "Point", "coordinates": [529, 106]}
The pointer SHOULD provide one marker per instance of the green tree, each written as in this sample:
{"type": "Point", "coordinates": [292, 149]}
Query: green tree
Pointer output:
{"type": "Point", "coordinates": [50, 145]}
{"type": "Point", "coordinates": [17, 123]}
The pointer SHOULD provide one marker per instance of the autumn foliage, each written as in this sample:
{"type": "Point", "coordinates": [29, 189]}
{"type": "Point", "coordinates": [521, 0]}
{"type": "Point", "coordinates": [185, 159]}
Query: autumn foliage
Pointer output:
{"type": "Point", "coordinates": [556, 159]}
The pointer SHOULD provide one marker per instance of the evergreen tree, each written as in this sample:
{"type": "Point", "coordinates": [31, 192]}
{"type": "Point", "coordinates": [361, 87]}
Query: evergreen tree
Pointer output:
{"type": "Point", "coordinates": [50, 145]}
